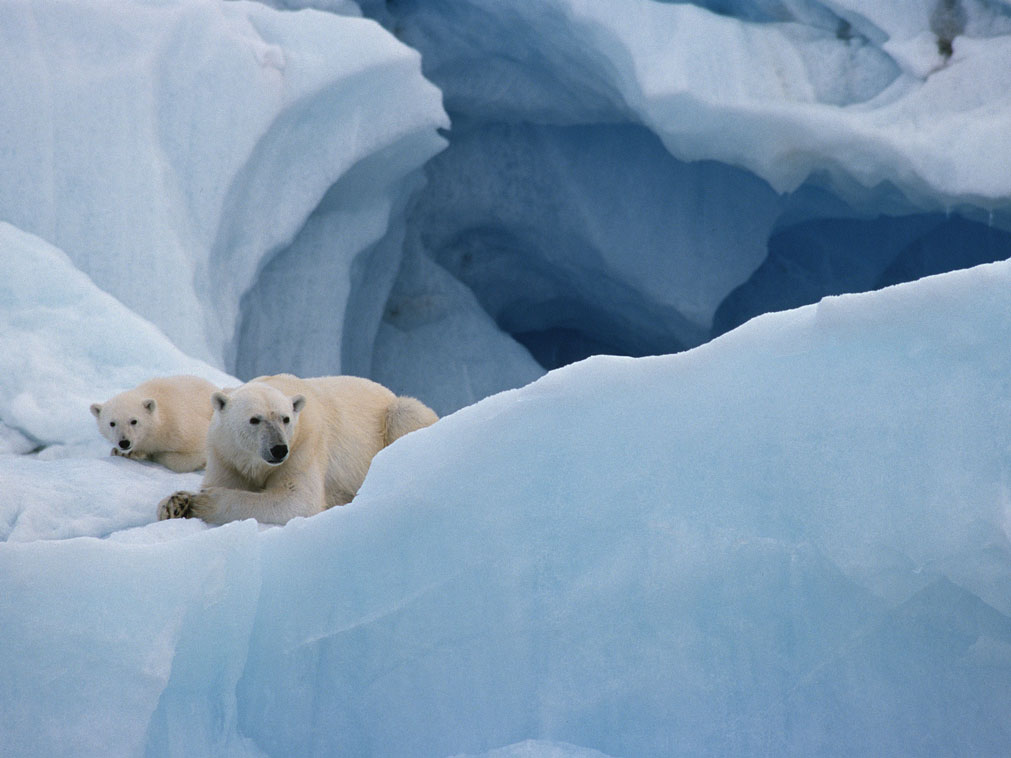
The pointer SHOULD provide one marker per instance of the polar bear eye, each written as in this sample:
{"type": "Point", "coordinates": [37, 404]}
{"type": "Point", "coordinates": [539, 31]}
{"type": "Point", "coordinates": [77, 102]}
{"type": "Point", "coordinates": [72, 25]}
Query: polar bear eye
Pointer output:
{"type": "Point", "coordinates": [112, 423]}
{"type": "Point", "coordinates": [133, 422]}
{"type": "Point", "coordinates": [286, 420]}
{"type": "Point", "coordinates": [254, 420]}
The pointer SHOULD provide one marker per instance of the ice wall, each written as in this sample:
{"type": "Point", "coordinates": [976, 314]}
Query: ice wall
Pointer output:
{"type": "Point", "coordinates": [172, 149]}
{"type": "Point", "coordinates": [629, 177]}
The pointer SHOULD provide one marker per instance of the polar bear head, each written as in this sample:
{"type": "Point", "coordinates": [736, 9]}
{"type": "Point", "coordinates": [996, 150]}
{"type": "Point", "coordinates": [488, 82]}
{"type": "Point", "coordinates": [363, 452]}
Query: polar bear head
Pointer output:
{"type": "Point", "coordinates": [126, 420]}
{"type": "Point", "coordinates": [254, 425]}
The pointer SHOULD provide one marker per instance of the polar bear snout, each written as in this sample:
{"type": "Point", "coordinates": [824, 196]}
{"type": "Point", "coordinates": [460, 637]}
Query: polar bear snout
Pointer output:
{"type": "Point", "coordinates": [273, 444]}
{"type": "Point", "coordinates": [124, 444]}
{"type": "Point", "coordinates": [278, 453]}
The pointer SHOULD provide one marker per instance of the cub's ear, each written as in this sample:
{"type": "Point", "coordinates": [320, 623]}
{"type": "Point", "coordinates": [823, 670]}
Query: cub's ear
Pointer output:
{"type": "Point", "coordinates": [298, 403]}
{"type": "Point", "coordinates": [150, 405]}
{"type": "Point", "coordinates": [96, 409]}
{"type": "Point", "coordinates": [219, 400]}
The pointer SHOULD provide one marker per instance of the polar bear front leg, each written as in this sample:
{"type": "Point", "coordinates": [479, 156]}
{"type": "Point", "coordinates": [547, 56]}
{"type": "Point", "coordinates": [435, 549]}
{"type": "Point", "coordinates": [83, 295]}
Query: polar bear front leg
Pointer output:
{"type": "Point", "coordinates": [277, 505]}
{"type": "Point", "coordinates": [218, 505]}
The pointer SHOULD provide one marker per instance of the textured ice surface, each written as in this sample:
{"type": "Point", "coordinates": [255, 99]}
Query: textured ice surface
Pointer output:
{"type": "Point", "coordinates": [634, 177]}
{"type": "Point", "coordinates": [172, 148]}
{"type": "Point", "coordinates": [762, 96]}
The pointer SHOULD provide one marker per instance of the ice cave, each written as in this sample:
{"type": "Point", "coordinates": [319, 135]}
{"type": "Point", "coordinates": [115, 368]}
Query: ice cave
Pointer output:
{"type": "Point", "coordinates": [714, 300]}
{"type": "Point", "coordinates": [584, 209]}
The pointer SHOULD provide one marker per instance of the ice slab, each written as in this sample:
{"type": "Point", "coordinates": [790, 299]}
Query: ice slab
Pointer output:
{"type": "Point", "coordinates": [793, 540]}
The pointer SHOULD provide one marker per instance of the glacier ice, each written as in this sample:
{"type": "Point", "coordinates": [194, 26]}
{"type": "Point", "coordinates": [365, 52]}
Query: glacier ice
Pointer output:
{"type": "Point", "coordinates": [793, 539]}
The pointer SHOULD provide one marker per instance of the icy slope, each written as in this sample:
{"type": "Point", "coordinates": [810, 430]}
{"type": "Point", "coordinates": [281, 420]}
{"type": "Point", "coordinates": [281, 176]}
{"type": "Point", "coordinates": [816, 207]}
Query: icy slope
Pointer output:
{"type": "Point", "coordinates": [795, 540]}
{"type": "Point", "coordinates": [172, 148]}
{"type": "Point", "coordinates": [66, 344]}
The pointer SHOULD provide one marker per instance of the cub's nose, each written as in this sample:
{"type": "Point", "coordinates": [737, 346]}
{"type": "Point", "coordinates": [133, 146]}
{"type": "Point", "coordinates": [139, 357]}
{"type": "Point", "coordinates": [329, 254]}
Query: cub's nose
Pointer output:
{"type": "Point", "coordinates": [279, 452]}
{"type": "Point", "coordinates": [124, 444]}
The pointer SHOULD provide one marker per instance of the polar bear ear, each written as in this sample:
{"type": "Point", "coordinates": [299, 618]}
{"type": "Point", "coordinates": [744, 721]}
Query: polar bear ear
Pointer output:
{"type": "Point", "coordinates": [96, 409]}
{"type": "Point", "coordinates": [219, 400]}
{"type": "Point", "coordinates": [298, 403]}
{"type": "Point", "coordinates": [150, 405]}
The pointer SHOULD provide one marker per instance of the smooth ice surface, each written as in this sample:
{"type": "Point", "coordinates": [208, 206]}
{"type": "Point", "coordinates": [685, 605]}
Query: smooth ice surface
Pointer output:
{"type": "Point", "coordinates": [539, 749]}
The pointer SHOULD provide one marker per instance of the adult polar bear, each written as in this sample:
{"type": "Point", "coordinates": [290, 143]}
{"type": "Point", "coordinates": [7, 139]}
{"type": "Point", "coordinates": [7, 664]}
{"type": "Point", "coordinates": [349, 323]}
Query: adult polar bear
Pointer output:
{"type": "Point", "coordinates": [280, 447]}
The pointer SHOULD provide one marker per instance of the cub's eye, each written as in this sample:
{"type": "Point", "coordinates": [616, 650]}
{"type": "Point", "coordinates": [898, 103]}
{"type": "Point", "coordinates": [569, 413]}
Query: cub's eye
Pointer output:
{"type": "Point", "coordinates": [133, 422]}
{"type": "Point", "coordinates": [286, 420]}
{"type": "Point", "coordinates": [112, 423]}
{"type": "Point", "coordinates": [254, 420]}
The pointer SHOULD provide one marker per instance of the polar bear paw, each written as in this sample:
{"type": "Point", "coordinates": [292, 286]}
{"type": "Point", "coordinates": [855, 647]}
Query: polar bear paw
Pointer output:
{"type": "Point", "coordinates": [123, 453]}
{"type": "Point", "coordinates": [177, 505]}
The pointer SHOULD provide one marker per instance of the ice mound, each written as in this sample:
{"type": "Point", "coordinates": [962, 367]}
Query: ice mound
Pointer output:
{"type": "Point", "coordinates": [793, 540]}
{"type": "Point", "coordinates": [66, 344]}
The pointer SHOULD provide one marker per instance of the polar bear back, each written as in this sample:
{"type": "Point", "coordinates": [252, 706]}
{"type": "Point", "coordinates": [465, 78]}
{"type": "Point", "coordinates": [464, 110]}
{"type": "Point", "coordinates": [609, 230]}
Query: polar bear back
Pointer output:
{"type": "Point", "coordinates": [184, 406]}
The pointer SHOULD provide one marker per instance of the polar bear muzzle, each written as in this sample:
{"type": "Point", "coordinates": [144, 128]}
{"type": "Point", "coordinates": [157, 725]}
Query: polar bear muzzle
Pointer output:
{"type": "Point", "coordinates": [273, 444]}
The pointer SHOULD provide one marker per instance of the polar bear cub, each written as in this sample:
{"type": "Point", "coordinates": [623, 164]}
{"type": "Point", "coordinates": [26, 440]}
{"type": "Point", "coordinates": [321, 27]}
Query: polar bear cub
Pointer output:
{"type": "Point", "coordinates": [163, 420]}
{"type": "Point", "coordinates": [280, 447]}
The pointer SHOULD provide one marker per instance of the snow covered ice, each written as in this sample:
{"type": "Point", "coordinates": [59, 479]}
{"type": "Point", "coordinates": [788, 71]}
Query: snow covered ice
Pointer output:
{"type": "Point", "coordinates": [788, 532]}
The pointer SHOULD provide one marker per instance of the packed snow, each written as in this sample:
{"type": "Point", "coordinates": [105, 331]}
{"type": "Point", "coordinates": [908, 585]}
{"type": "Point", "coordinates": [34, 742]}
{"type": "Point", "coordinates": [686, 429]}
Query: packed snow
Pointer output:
{"type": "Point", "coordinates": [786, 531]}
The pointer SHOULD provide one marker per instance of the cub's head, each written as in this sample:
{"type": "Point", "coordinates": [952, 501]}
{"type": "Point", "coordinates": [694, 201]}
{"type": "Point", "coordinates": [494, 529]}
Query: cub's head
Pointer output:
{"type": "Point", "coordinates": [126, 420]}
{"type": "Point", "coordinates": [254, 424]}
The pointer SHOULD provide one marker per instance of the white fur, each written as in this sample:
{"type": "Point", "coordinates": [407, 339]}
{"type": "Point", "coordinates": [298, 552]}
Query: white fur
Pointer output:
{"type": "Point", "coordinates": [163, 420]}
{"type": "Point", "coordinates": [331, 428]}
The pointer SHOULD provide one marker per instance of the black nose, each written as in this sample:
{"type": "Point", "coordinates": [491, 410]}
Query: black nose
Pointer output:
{"type": "Point", "coordinates": [124, 444]}
{"type": "Point", "coordinates": [278, 452]}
